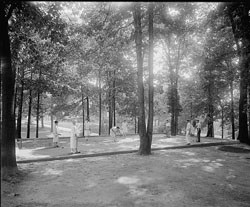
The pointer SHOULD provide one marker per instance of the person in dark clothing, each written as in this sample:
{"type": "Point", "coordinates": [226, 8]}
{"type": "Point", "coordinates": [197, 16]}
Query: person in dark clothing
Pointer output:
{"type": "Point", "coordinates": [198, 127]}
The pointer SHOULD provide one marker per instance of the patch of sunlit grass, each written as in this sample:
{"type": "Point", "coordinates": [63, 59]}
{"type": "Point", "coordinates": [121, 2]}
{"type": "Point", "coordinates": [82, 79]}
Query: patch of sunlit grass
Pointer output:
{"type": "Point", "coordinates": [28, 154]}
{"type": "Point", "coordinates": [49, 171]}
{"type": "Point", "coordinates": [127, 180]}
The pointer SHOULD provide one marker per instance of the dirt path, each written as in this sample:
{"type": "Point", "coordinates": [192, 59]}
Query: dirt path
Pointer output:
{"type": "Point", "coordinates": [208, 176]}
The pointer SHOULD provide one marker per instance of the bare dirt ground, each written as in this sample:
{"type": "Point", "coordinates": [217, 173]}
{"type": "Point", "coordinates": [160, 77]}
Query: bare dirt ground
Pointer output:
{"type": "Point", "coordinates": [197, 177]}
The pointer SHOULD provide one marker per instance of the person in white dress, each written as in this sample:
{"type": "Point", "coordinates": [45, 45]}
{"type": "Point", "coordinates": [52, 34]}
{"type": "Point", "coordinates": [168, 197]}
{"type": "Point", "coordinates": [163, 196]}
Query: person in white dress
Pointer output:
{"type": "Point", "coordinates": [73, 138]}
{"type": "Point", "coordinates": [55, 135]}
{"type": "Point", "coordinates": [188, 131]}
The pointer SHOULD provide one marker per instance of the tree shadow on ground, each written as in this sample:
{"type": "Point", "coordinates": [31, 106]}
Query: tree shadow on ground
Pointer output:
{"type": "Point", "coordinates": [234, 149]}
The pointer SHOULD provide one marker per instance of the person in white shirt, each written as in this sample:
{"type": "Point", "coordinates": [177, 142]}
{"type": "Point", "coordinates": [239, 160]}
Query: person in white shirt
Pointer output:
{"type": "Point", "coordinates": [55, 135]}
{"type": "Point", "coordinates": [73, 139]}
{"type": "Point", "coordinates": [114, 131]}
{"type": "Point", "coordinates": [188, 131]}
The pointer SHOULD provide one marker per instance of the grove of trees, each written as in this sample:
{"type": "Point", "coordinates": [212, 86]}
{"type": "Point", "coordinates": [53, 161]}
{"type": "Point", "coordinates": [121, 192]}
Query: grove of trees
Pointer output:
{"type": "Point", "coordinates": [146, 61]}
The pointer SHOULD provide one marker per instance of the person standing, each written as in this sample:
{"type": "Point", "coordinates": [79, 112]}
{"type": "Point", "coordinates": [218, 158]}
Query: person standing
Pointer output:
{"type": "Point", "coordinates": [188, 131]}
{"type": "Point", "coordinates": [55, 135]}
{"type": "Point", "coordinates": [124, 128]}
{"type": "Point", "coordinates": [113, 132]}
{"type": "Point", "coordinates": [168, 129]}
{"type": "Point", "coordinates": [198, 126]}
{"type": "Point", "coordinates": [87, 130]}
{"type": "Point", "coordinates": [73, 139]}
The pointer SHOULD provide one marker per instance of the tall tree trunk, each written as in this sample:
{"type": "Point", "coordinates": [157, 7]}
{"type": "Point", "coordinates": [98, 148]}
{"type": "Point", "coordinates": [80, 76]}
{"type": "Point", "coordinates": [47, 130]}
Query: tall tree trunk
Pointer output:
{"type": "Point", "coordinates": [176, 113]}
{"type": "Point", "coordinates": [88, 117]}
{"type": "Point", "coordinates": [113, 99]}
{"type": "Point", "coordinates": [240, 27]}
{"type": "Point", "coordinates": [42, 118]}
{"type": "Point", "coordinates": [243, 128]}
{"type": "Point", "coordinates": [38, 103]}
{"type": "Point", "coordinates": [248, 106]}
{"type": "Point", "coordinates": [100, 102]}
{"type": "Point", "coordinates": [15, 55]}
{"type": "Point", "coordinates": [29, 114]}
{"type": "Point", "coordinates": [51, 122]}
{"type": "Point", "coordinates": [20, 109]}
{"type": "Point", "coordinates": [83, 115]}
{"type": "Point", "coordinates": [135, 125]}
{"type": "Point", "coordinates": [16, 109]}
{"type": "Point", "coordinates": [172, 109]}
{"type": "Point", "coordinates": [172, 96]}
{"type": "Point", "coordinates": [135, 117]}
{"type": "Point", "coordinates": [37, 114]}
{"type": "Point", "coordinates": [222, 121]}
{"type": "Point", "coordinates": [144, 142]}
{"type": "Point", "coordinates": [232, 109]}
{"type": "Point", "coordinates": [210, 131]}
{"type": "Point", "coordinates": [151, 75]}
{"type": "Point", "coordinates": [110, 111]}
{"type": "Point", "coordinates": [8, 153]}
{"type": "Point", "coordinates": [41, 112]}
{"type": "Point", "coordinates": [245, 62]}
{"type": "Point", "coordinates": [110, 114]}
{"type": "Point", "coordinates": [176, 96]}
{"type": "Point", "coordinates": [15, 105]}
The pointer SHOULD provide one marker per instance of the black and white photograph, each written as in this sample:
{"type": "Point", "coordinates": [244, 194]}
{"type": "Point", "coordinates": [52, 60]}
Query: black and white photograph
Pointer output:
{"type": "Point", "coordinates": [125, 104]}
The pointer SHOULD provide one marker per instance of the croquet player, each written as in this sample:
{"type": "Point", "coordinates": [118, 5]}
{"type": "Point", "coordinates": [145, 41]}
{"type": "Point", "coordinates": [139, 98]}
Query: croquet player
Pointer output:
{"type": "Point", "coordinates": [114, 131]}
{"type": "Point", "coordinates": [188, 131]}
{"type": "Point", "coordinates": [73, 138]}
{"type": "Point", "coordinates": [55, 135]}
{"type": "Point", "coordinates": [198, 130]}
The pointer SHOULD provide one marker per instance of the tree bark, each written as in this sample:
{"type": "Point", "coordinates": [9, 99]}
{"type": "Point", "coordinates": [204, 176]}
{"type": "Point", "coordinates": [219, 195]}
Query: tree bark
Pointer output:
{"type": "Point", "coordinates": [83, 115]}
{"type": "Point", "coordinates": [51, 122]}
{"type": "Point", "coordinates": [240, 29]}
{"type": "Point", "coordinates": [248, 104]}
{"type": "Point", "coordinates": [222, 121]}
{"type": "Point", "coordinates": [8, 152]}
{"type": "Point", "coordinates": [15, 104]}
{"type": "Point", "coordinates": [144, 148]}
{"type": "Point", "coordinates": [29, 113]}
{"type": "Point", "coordinates": [88, 117]}
{"type": "Point", "coordinates": [110, 103]}
{"type": "Point", "coordinates": [113, 99]}
{"type": "Point", "coordinates": [135, 117]}
{"type": "Point", "coordinates": [232, 109]}
{"type": "Point", "coordinates": [151, 75]}
{"type": "Point", "coordinates": [20, 108]}
{"type": "Point", "coordinates": [243, 128]}
{"type": "Point", "coordinates": [135, 125]}
{"type": "Point", "coordinates": [38, 104]}
{"type": "Point", "coordinates": [210, 130]}
{"type": "Point", "coordinates": [100, 103]}
{"type": "Point", "coordinates": [37, 114]}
